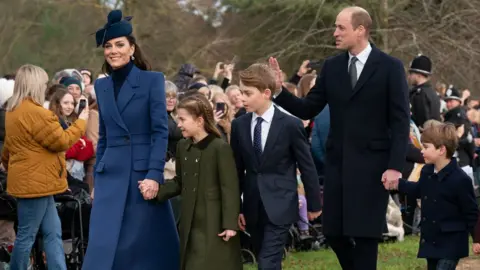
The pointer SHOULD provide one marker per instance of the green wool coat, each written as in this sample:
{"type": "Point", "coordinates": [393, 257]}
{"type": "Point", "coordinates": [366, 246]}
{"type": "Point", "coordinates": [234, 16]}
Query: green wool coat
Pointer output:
{"type": "Point", "coordinates": [208, 184]}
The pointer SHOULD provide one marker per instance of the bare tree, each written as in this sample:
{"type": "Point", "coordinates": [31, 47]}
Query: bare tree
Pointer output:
{"type": "Point", "coordinates": [57, 34]}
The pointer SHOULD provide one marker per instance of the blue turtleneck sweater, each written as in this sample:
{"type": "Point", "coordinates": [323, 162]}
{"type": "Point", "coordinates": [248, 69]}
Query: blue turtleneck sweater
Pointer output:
{"type": "Point", "coordinates": [119, 76]}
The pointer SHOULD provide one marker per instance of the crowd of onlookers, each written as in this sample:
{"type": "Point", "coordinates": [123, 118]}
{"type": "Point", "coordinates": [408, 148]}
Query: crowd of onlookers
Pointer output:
{"type": "Point", "coordinates": [446, 103]}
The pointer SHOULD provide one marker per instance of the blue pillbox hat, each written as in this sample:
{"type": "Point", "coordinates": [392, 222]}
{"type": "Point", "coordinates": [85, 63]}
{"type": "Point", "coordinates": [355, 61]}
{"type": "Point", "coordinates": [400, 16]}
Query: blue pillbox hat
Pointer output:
{"type": "Point", "coordinates": [114, 28]}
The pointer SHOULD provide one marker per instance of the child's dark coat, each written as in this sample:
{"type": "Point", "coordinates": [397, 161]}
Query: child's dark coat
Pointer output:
{"type": "Point", "coordinates": [449, 211]}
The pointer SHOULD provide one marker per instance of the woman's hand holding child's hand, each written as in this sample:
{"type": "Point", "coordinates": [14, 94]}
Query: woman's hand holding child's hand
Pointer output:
{"type": "Point", "coordinates": [148, 188]}
{"type": "Point", "coordinates": [227, 234]}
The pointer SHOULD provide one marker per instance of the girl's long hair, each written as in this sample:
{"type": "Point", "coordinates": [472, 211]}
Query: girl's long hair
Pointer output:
{"type": "Point", "coordinates": [56, 107]}
{"type": "Point", "coordinates": [197, 105]}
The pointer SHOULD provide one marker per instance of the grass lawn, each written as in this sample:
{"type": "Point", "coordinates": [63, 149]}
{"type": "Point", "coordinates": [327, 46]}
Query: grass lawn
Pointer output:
{"type": "Point", "coordinates": [394, 256]}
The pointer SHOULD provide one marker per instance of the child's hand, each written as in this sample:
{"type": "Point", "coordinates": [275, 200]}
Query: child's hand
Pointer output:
{"type": "Point", "coordinates": [390, 179]}
{"type": "Point", "coordinates": [300, 204]}
{"type": "Point", "coordinates": [227, 234]}
{"type": "Point", "coordinates": [241, 222]}
{"type": "Point", "coordinates": [313, 215]}
{"type": "Point", "coordinates": [476, 248]}
{"type": "Point", "coordinates": [391, 185]}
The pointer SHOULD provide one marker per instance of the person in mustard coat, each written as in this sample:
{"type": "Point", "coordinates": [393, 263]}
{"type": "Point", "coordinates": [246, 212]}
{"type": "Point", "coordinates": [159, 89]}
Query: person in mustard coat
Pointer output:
{"type": "Point", "coordinates": [207, 181]}
{"type": "Point", "coordinates": [34, 156]}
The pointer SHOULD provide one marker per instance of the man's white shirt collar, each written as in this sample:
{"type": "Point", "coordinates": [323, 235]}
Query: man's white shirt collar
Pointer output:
{"type": "Point", "coordinates": [363, 55]}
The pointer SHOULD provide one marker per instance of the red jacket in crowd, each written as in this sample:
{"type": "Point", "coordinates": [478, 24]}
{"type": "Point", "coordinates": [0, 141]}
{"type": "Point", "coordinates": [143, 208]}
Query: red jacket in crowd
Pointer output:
{"type": "Point", "coordinates": [82, 150]}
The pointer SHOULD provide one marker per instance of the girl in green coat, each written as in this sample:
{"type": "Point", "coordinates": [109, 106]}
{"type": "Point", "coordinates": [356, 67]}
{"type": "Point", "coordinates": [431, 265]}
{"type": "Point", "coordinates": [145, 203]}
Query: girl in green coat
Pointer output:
{"type": "Point", "coordinates": [207, 181]}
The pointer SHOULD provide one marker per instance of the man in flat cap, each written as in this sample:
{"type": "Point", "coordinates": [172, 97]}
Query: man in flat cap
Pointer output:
{"type": "Point", "coordinates": [425, 102]}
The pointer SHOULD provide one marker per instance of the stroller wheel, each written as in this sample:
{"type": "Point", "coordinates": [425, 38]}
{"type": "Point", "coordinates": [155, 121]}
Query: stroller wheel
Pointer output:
{"type": "Point", "coordinates": [248, 257]}
{"type": "Point", "coordinates": [291, 240]}
{"type": "Point", "coordinates": [285, 252]}
{"type": "Point", "coordinates": [316, 246]}
{"type": "Point", "coordinates": [74, 259]}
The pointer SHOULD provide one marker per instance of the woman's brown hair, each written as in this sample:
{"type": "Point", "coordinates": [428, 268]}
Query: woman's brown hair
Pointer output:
{"type": "Point", "coordinates": [139, 58]}
{"type": "Point", "coordinates": [304, 84]}
{"type": "Point", "coordinates": [292, 88]}
{"type": "Point", "coordinates": [53, 89]}
{"type": "Point", "coordinates": [56, 107]}
{"type": "Point", "coordinates": [197, 105]}
{"type": "Point", "coordinates": [92, 102]}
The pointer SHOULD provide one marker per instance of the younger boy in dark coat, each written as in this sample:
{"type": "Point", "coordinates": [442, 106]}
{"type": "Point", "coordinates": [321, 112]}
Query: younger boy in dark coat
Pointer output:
{"type": "Point", "coordinates": [449, 208]}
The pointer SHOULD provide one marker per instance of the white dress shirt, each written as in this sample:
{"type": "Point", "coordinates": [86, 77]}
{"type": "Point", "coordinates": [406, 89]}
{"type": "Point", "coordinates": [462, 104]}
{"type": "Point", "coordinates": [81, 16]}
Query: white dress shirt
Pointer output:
{"type": "Point", "coordinates": [266, 123]}
{"type": "Point", "coordinates": [362, 59]}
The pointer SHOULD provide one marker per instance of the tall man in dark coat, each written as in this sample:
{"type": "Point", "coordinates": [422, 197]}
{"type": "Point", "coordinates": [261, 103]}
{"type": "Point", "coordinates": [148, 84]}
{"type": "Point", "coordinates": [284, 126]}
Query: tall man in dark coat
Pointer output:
{"type": "Point", "coordinates": [367, 93]}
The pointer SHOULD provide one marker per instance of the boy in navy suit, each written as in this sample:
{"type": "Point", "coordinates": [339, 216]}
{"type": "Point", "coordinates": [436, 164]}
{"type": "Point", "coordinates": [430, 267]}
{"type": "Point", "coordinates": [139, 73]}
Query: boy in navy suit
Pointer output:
{"type": "Point", "coordinates": [449, 208]}
{"type": "Point", "coordinates": [268, 145]}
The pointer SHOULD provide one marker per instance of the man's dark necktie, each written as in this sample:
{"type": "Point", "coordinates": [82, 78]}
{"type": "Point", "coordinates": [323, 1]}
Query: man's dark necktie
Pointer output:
{"type": "Point", "coordinates": [352, 71]}
{"type": "Point", "coordinates": [257, 137]}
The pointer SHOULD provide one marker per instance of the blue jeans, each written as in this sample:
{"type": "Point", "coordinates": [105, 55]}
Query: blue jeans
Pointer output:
{"type": "Point", "coordinates": [34, 215]}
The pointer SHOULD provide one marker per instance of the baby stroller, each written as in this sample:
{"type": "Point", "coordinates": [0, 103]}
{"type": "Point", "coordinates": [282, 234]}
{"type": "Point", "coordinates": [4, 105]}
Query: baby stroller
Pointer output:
{"type": "Point", "coordinates": [8, 214]}
{"type": "Point", "coordinates": [247, 250]}
{"type": "Point", "coordinates": [74, 207]}
{"type": "Point", "coordinates": [72, 212]}
{"type": "Point", "coordinates": [314, 241]}
{"type": "Point", "coordinates": [248, 257]}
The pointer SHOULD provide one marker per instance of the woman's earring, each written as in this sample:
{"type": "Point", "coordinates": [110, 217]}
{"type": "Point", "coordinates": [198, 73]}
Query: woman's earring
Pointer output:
{"type": "Point", "coordinates": [132, 57]}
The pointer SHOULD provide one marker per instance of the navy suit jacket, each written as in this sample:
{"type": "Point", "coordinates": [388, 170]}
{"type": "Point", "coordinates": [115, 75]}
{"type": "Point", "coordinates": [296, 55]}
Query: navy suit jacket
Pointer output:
{"type": "Point", "coordinates": [272, 180]}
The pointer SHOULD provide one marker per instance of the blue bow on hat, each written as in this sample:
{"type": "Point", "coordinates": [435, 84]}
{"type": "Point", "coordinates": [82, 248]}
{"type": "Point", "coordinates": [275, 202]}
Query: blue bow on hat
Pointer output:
{"type": "Point", "coordinates": [114, 28]}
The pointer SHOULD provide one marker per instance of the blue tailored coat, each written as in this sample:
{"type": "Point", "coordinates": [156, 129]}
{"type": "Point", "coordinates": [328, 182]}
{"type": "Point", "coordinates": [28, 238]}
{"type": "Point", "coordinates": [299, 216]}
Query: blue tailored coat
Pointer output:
{"type": "Point", "coordinates": [126, 231]}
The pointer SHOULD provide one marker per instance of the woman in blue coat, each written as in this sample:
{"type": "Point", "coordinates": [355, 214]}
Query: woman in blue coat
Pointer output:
{"type": "Point", "coordinates": [127, 231]}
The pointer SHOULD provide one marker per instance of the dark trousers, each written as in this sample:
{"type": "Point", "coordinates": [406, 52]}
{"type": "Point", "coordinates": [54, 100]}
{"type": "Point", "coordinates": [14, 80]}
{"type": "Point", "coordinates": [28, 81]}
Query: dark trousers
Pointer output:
{"type": "Point", "coordinates": [269, 241]}
{"type": "Point", "coordinates": [355, 253]}
{"type": "Point", "coordinates": [441, 264]}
